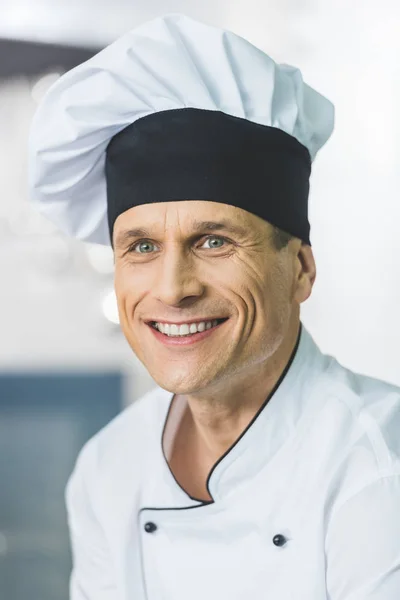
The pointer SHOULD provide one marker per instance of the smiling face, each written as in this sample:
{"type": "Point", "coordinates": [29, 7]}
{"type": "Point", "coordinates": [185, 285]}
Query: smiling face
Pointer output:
{"type": "Point", "coordinates": [181, 268]}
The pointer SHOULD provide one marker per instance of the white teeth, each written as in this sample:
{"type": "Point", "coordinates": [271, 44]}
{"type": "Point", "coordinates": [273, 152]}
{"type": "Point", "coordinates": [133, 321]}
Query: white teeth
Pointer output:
{"type": "Point", "coordinates": [181, 330]}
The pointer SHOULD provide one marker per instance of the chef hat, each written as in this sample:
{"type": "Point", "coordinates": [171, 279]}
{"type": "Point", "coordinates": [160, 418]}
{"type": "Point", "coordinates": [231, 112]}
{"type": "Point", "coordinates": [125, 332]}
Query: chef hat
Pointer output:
{"type": "Point", "coordinates": [176, 110]}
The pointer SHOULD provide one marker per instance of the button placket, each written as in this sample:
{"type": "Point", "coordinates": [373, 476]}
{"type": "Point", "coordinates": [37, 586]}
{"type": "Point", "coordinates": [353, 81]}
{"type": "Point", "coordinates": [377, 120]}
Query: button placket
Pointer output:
{"type": "Point", "coordinates": [152, 530]}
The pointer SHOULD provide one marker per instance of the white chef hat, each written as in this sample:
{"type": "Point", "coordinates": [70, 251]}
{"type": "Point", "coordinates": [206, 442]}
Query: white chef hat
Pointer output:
{"type": "Point", "coordinates": [176, 110]}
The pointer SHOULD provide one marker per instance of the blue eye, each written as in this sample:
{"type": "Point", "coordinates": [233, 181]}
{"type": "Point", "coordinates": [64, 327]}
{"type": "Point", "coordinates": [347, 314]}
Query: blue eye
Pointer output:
{"type": "Point", "coordinates": [216, 237]}
{"type": "Point", "coordinates": [132, 249]}
{"type": "Point", "coordinates": [141, 244]}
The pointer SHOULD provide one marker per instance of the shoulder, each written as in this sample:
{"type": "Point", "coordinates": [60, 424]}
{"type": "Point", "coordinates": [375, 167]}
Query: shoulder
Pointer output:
{"type": "Point", "coordinates": [363, 415]}
{"type": "Point", "coordinates": [372, 406]}
{"type": "Point", "coordinates": [129, 436]}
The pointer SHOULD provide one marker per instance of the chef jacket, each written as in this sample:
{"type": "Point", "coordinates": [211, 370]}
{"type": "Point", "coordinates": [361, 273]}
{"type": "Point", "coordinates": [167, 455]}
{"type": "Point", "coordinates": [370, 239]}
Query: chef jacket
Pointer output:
{"type": "Point", "coordinates": [306, 503]}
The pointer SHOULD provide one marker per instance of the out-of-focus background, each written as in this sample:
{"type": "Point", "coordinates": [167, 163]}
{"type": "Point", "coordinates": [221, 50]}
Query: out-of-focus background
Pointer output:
{"type": "Point", "coordinates": [65, 367]}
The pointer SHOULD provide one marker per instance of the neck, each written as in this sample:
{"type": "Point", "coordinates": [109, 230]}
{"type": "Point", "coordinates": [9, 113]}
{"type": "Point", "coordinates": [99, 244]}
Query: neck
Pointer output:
{"type": "Point", "coordinates": [216, 420]}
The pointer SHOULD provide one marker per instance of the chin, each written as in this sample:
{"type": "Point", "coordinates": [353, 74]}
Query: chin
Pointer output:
{"type": "Point", "coordinates": [173, 386]}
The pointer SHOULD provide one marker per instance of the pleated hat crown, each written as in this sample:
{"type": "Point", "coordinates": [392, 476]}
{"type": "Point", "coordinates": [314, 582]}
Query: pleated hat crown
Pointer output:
{"type": "Point", "coordinates": [170, 63]}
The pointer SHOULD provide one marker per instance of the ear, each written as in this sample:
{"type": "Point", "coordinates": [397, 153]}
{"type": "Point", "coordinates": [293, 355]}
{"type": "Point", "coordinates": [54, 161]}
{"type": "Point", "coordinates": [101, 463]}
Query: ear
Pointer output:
{"type": "Point", "coordinates": [306, 273]}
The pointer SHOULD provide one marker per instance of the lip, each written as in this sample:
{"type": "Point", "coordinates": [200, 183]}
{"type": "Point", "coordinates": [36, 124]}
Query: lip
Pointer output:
{"type": "Point", "coordinates": [183, 341]}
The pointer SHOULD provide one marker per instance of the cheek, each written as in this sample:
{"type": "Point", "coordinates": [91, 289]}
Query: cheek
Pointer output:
{"type": "Point", "coordinates": [126, 292]}
{"type": "Point", "coordinates": [276, 293]}
{"type": "Point", "coordinates": [127, 280]}
{"type": "Point", "coordinates": [120, 289]}
{"type": "Point", "coordinates": [281, 276]}
{"type": "Point", "coordinates": [121, 286]}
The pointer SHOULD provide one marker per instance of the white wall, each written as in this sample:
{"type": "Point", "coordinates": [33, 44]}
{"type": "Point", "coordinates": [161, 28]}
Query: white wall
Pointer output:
{"type": "Point", "coordinates": [50, 296]}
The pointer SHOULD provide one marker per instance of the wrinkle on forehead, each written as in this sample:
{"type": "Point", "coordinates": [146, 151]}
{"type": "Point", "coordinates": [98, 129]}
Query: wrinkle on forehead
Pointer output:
{"type": "Point", "coordinates": [190, 212]}
{"type": "Point", "coordinates": [194, 215]}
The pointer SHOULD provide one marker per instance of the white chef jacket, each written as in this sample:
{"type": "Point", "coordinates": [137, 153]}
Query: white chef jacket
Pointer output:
{"type": "Point", "coordinates": [306, 504]}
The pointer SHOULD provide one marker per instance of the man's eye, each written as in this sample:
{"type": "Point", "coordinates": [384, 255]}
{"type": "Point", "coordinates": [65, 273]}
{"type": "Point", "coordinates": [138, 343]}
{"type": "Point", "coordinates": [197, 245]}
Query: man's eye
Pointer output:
{"type": "Point", "coordinates": [137, 244]}
{"type": "Point", "coordinates": [133, 247]}
{"type": "Point", "coordinates": [215, 237]}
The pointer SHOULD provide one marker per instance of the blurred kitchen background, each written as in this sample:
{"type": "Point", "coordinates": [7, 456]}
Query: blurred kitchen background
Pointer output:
{"type": "Point", "coordinates": [65, 367]}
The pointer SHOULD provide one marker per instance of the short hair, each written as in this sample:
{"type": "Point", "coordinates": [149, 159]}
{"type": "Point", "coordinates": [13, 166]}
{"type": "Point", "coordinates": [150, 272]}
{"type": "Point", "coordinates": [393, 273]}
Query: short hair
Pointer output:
{"type": "Point", "coordinates": [280, 238]}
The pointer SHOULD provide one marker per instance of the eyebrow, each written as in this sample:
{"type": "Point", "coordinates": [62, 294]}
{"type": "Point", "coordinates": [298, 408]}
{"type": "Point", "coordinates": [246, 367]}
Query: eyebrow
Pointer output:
{"type": "Point", "coordinates": [129, 235]}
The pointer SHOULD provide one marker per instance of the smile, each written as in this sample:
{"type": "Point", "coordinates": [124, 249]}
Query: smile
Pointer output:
{"type": "Point", "coordinates": [174, 335]}
{"type": "Point", "coordinates": [185, 329]}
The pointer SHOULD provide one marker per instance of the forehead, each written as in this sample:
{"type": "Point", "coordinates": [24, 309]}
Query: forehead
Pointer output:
{"type": "Point", "coordinates": [185, 216]}
{"type": "Point", "coordinates": [183, 211]}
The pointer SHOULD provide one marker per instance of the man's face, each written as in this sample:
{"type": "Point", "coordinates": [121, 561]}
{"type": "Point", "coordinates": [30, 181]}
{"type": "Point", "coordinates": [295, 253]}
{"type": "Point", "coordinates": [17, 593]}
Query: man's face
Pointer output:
{"type": "Point", "coordinates": [178, 272]}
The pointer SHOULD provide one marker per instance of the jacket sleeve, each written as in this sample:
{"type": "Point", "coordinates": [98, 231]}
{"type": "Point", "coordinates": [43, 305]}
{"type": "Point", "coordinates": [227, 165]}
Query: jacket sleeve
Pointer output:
{"type": "Point", "coordinates": [363, 544]}
{"type": "Point", "coordinates": [92, 576]}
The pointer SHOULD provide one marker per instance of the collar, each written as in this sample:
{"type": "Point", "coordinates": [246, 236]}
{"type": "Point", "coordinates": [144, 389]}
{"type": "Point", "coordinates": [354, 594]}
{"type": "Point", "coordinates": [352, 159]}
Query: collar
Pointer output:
{"type": "Point", "coordinates": [283, 415]}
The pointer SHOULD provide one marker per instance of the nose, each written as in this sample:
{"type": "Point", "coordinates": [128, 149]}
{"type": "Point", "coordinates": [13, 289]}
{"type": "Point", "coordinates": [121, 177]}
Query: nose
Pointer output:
{"type": "Point", "coordinates": [177, 279]}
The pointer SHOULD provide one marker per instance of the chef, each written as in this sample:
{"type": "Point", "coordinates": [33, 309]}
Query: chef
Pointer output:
{"type": "Point", "coordinates": [258, 467]}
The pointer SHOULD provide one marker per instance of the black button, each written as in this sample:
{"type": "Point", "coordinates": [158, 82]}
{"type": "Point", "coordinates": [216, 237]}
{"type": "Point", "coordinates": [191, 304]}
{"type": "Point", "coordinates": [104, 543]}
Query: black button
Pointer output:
{"type": "Point", "coordinates": [150, 527]}
{"type": "Point", "coordinates": [279, 540]}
